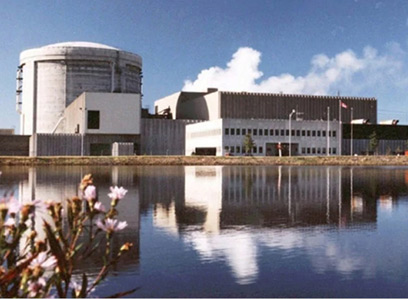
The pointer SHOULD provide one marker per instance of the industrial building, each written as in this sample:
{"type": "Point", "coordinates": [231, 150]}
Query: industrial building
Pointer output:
{"type": "Point", "coordinates": [279, 124]}
{"type": "Point", "coordinates": [51, 79]}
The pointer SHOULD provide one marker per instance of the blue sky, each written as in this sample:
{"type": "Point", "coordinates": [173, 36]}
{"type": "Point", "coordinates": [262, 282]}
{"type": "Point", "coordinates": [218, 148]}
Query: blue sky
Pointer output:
{"type": "Point", "coordinates": [317, 46]}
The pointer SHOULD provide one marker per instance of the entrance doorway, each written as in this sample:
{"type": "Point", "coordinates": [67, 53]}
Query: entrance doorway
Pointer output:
{"type": "Point", "coordinates": [272, 149]}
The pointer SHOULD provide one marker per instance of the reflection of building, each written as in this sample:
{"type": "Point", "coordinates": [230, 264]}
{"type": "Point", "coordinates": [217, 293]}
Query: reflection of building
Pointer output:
{"type": "Point", "coordinates": [229, 211]}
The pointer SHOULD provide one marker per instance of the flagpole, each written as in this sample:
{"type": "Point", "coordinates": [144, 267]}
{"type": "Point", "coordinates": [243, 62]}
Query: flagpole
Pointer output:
{"type": "Point", "coordinates": [339, 128]}
{"type": "Point", "coordinates": [351, 123]}
{"type": "Point", "coordinates": [328, 129]}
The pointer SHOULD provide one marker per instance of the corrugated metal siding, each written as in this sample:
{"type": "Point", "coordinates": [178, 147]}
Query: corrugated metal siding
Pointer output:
{"type": "Point", "coordinates": [277, 106]}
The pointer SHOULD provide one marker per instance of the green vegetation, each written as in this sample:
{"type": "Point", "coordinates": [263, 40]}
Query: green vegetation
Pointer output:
{"type": "Point", "coordinates": [248, 144]}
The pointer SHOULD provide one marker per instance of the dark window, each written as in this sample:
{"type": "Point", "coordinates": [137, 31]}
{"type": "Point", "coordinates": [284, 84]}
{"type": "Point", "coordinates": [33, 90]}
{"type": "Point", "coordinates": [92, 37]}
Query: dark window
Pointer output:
{"type": "Point", "coordinates": [329, 133]}
{"type": "Point", "coordinates": [324, 133]}
{"type": "Point", "coordinates": [308, 133]}
{"type": "Point", "coordinates": [255, 132]}
{"type": "Point", "coordinates": [293, 132]}
{"type": "Point", "coordinates": [238, 149]}
{"type": "Point", "coordinates": [232, 149]}
{"type": "Point", "coordinates": [260, 132]}
{"type": "Point", "coordinates": [329, 150]}
{"type": "Point", "coordinates": [303, 133]}
{"type": "Point", "coordinates": [282, 132]}
{"type": "Point", "coordinates": [226, 148]}
{"type": "Point", "coordinates": [303, 150]}
{"type": "Point", "coordinates": [324, 150]}
{"type": "Point", "coordinates": [260, 149]}
{"type": "Point", "coordinates": [271, 132]}
{"type": "Point", "coordinates": [266, 132]}
{"type": "Point", "coordinates": [313, 150]}
{"type": "Point", "coordinates": [334, 150]}
{"type": "Point", "coordinates": [232, 131]}
{"type": "Point", "coordinates": [287, 132]}
{"type": "Point", "coordinates": [93, 119]}
{"type": "Point", "coordinates": [318, 133]}
{"type": "Point", "coordinates": [238, 132]}
{"type": "Point", "coordinates": [334, 133]}
{"type": "Point", "coordinates": [226, 131]}
{"type": "Point", "coordinates": [318, 150]}
{"type": "Point", "coordinates": [254, 149]}
{"type": "Point", "coordinates": [249, 131]}
{"type": "Point", "coordinates": [298, 133]}
{"type": "Point", "coordinates": [313, 133]}
{"type": "Point", "coordinates": [308, 150]}
{"type": "Point", "coordinates": [277, 132]}
{"type": "Point", "coordinates": [243, 131]}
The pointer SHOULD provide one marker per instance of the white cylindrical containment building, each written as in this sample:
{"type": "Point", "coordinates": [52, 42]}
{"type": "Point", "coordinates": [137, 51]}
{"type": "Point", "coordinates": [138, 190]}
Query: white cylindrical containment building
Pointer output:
{"type": "Point", "coordinates": [55, 75]}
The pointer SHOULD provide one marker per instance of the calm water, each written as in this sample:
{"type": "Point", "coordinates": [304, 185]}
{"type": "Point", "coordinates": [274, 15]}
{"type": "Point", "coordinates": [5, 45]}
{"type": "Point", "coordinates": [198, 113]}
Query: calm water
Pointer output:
{"type": "Point", "coordinates": [247, 231]}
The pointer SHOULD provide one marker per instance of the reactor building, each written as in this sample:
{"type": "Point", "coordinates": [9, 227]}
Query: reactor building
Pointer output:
{"type": "Point", "coordinates": [79, 88]}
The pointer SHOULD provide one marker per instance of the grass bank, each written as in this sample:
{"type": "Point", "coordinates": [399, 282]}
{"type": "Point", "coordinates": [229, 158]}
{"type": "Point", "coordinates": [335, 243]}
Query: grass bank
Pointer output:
{"type": "Point", "coordinates": [206, 160]}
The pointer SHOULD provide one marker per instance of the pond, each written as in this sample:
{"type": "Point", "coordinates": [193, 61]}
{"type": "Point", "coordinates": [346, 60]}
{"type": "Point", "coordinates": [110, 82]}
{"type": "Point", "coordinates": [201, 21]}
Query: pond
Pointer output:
{"type": "Point", "coordinates": [246, 231]}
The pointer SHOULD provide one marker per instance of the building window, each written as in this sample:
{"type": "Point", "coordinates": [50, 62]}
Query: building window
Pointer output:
{"type": "Point", "coordinates": [308, 133]}
{"type": "Point", "coordinates": [260, 132]}
{"type": "Point", "coordinates": [271, 132]}
{"type": "Point", "coordinates": [93, 119]}
{"type": "Point", "coordinates": [287, 132]}
{"type": "Point", "coordinates": [329, 150]}
{"type": "Point", "coordinates": [254, 149]}
{"type": "Point", "coordinates": [260, 149]}
{"type": "Point", "coordinates": [232, 131]}
{"type": "Point", "coordinates": [308, 150]}
{"type": "Point", "coordinates": [334, 133]}
{"type": "Point", "coordinates": [249, 131]}
{"type": "Point", "coordinates": [324, 150]}
{"type": "Point", "coordinates": [232, 149]}
{"type": "Point", "coordinates": [297, 133]}
{"type": "Point", "coordinates": [303, 133]}
{"type": "Point", "coordinates": [226, 131]}
{"type": "Point", "coordinates": [277, 132]}
{"type": "Point", "coordinates": [334, 151]}
{"type": "Point", "coordinates": [313, 150]}
{"type": "Point", "coordinates": [266, 132]}
{"type": "Point", "coordinates": [329, 133]}
{"type": "Point", "coordinates": [318, 150]}
{"type": "Point", "coordinates": [243, 131]}
{"type": "Point", "coordinates": [226, 148]}
{"type": "Point", "coordinates": [238, 149]}
{"type": "Point", "coordinates": [313, 133]}
{"type": "Point", "coordinates": [293, 132]}
{"type": "Point", "coordinates": [303, 150]}
{"type": "Point", "coordinates": [324, 133]}
{"type": "Point", "coordinates": [238, 132]}
{"type": "Point", "coordinates": [255, 132]}
{"type": "Point", "coordinates": [318, 133]}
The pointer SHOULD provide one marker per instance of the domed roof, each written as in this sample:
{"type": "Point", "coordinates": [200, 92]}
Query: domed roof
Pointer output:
{"type": "Point", "coordinates": [78, 44]}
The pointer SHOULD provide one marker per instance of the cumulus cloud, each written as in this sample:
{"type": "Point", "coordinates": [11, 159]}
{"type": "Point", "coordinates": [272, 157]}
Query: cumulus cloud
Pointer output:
{"type": "Point", "coordinates": [345, 71]}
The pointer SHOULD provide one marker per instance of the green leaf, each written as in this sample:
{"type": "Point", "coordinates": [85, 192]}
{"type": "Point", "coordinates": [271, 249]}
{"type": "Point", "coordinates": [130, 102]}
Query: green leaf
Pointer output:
{"type": "Point", "coordinates": [56, 250]}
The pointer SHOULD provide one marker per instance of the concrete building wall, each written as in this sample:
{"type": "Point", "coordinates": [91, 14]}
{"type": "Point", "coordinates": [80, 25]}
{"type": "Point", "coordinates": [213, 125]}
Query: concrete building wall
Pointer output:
{"type": "Point", "coordinates": [205, 135]}
{"type": "Point", "coordinates": [168, 102]}
{"type": "Point", "coordinates": [385, 147]}
{"type": "Point", "coordinates": [227, 136]}
{"type": "Point", "coordinates": [118, 113]}
{"type": "Point", "coordinates": [163, 136]}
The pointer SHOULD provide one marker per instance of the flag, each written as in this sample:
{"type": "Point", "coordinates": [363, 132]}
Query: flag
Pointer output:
{"type": "Point", "coordinates": [343, 105]}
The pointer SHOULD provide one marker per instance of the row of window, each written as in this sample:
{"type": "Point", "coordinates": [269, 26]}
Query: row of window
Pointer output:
{"type": "Point", "coordinates": [241, 150]}
{"type": "Point", "coordinates": [277, 132]}
{"type": "Point", "coordinates": [318, 150]}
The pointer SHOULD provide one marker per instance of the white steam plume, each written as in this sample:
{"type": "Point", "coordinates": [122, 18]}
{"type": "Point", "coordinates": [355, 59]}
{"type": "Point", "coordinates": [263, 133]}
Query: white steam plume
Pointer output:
{"type": "Point", "coordinates": [345, 71]}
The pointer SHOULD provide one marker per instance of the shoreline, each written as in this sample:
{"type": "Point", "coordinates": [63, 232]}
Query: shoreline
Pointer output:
{"type": "Point", "coordinates": [208, 160]}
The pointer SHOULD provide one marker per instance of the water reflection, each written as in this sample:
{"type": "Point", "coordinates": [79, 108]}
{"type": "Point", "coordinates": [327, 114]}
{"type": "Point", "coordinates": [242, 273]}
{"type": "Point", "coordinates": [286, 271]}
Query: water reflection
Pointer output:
{"type": "Point", "coordinates": [321, 220]}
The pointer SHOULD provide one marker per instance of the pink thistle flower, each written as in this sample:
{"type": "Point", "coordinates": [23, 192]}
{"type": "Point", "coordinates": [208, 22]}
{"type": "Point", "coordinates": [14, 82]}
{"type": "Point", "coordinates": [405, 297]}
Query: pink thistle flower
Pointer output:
{"type": "Point", "coordinates": [111, 225]}
{"type": "Point", "coordinates": [99, 207]}
{"type": "Point", "coordinates": [90, 192]}
{"type": "Point", "coordinates": [117, 193]}
{"type": "Point", "coordinates": [44, 262]}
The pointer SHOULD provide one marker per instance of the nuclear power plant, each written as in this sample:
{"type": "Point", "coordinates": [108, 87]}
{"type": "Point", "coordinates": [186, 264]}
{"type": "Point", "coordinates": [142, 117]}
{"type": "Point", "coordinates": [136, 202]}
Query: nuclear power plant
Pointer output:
{"type": "Point", "coordinates": [84, 98]}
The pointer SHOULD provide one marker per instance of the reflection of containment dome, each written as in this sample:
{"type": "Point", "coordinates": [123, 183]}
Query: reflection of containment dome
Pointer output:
{"type": "Point", "coordinates": [51, 77]}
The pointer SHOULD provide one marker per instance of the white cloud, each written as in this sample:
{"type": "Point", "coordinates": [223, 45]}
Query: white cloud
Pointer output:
{"type": "Point", "coordinates": [345, 71]}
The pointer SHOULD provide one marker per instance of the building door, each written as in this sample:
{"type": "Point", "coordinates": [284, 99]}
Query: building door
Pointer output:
{"type": "Point", "coordinates": [205, 151]}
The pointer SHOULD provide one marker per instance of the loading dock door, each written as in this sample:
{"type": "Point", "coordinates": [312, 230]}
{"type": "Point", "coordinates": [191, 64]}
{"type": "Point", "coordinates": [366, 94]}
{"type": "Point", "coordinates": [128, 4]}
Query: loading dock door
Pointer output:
{"type": "Point", "coordinates": [205, 151]}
